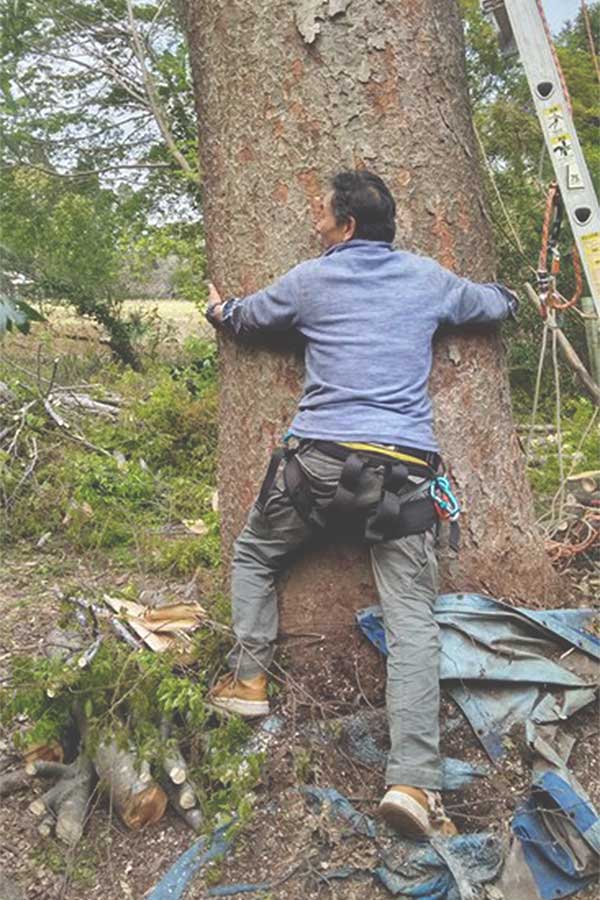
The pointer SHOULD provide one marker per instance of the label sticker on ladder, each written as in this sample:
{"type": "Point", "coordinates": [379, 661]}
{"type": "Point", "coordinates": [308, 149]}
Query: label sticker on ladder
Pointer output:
{"type": "Point", "coordinates": [591, 252]}
{"type": "Point", "coordinates": [555, 120]}
{"type": "Point", "coordinates": [574, 179]}
{"type": "Point", "coordinates": [562, 148]}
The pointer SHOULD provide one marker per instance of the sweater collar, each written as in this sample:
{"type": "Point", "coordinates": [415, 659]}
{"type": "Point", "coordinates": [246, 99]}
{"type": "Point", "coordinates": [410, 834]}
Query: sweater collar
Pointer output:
{"type": "Point", "coordinates": [356, 244]}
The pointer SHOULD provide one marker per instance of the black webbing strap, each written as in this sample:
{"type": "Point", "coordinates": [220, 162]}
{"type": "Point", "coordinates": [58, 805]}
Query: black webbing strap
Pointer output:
{"type": "Point", "coordinates": [391, 518]}
{"type": "Point", "coordinates": [344, 499]}
{"type": "Point", "coordinates": [385, 518]}
{"type": "Point", "coordinates": [454, 536]}
{"type": "Point", "coordinates": [394, 519]}
{"type": "Point", "coordinates": [269, 478]}
{"type": "Point", "coordinates": [297, 486]}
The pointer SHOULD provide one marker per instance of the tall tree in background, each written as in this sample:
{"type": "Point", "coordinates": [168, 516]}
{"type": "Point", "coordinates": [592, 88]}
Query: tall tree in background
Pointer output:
{"type": "Point", "coordinates": [99, 137]}
{"type": "Point", "coordinates": [287, 94]}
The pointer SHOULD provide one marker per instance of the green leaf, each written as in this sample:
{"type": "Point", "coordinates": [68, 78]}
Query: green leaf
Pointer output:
{"type": "Point", "coordinates": [17, 314]}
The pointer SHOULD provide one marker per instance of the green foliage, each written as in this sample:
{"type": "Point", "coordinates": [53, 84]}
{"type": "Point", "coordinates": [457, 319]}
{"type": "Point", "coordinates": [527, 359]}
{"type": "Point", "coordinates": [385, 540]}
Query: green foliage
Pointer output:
{"type": "Point", "coordinates": [185, 555]}
{"type": "Point", "coordinates": [157, 471]}
{"type": "Point", "coordinates": [227, 794]}
{"type": "Point", "coordinates": [181, 240]}
{"type": "Point", "coordinates": [17, 314]}
{"type": "Point", "coordinates": [62, 240]}
{"type": "Point", "coordinates": [580, 449]}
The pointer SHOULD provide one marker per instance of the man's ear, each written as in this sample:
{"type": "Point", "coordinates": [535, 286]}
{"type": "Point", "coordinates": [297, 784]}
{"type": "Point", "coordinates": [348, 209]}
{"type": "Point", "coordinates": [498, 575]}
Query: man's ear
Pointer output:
{"type": "Point", "coordinates": [349, 228]}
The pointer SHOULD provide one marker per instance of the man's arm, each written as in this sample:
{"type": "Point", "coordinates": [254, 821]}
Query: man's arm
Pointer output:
{"type": "Point", "coordinates": [467, 302]}
{"type": "Point", "coordinates": [276, 308]}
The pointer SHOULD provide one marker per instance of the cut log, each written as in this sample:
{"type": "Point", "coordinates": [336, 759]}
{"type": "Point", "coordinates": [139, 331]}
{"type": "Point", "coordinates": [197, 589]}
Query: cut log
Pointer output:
{"type": "Point", "coordinates": [43, 769]}
{"type": "Point", "coordinates": [192, 817]}
{"type": "Point", "coordinates": [12, 782]}
{"type": "Point", "coordinates": [136, 798]}
{"type": "Point", "coordinates": [584, 482]}
{"type": "Point", "coordinates": [67, 801]}
{"type": "Point", "coordinates": [51, 800]}
{"type": "Point", "coordinates": [72, 810]}
{"type": "Point", "coordinates": [174, 764]}
{"type": "Point", "coordinates": [187, 796]}
{"type": "Point", "coordinates": [46, 826]}
{"type": "Point", "coordinates": [52, 752]}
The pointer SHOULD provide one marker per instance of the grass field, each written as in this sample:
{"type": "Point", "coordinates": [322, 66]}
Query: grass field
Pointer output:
{"type": "Point", "coordinates": [163, 324]}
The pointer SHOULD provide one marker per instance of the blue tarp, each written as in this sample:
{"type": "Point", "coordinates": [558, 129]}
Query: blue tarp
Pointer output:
{"type": "Point", "coordinates": [359, 733]}
{"type": "Point", "coordinates": [175, 883]}
{"type": "Point", "coordinates": [484, 640]}
{"type": "Point", "coordinates": [552, 864]}
{"type": "Point", "coordinates": [446, 869]}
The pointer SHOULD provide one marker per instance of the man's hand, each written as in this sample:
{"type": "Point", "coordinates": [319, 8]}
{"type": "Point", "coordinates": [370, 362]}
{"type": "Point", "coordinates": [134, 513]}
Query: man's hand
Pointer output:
{"type": "Point", "coordinates": [213, 294]}
{"type": "Point", "coordinates": [214, 312]}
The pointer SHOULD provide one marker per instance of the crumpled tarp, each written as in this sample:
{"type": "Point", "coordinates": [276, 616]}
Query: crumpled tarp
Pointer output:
{"type": "Point", "coordinates": [175, 883]}
{"type": "Point", "coordinates": [484, 640]}
{"type": "Point", "coordinates": [365, 734]}
{"type": "Point", "coordinates": [555, 851]}
{"type": "Point", "coordinates": [445, 869]}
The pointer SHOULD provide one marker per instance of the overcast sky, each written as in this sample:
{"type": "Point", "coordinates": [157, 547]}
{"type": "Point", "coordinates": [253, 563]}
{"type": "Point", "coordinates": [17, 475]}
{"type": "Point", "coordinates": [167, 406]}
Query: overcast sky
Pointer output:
{"type": "Point", "coordinates": [558, 11]}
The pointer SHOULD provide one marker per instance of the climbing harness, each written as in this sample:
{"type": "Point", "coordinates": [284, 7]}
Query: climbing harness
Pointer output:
{"type": "Point", "coordinates": [392, 516]}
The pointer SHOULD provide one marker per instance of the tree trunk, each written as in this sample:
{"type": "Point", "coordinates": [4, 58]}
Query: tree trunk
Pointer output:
{"type": "Point", "coordinates": [288, 93]}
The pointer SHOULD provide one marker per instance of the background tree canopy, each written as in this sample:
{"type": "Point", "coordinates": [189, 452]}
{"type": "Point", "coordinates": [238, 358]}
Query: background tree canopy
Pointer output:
{"type": "Point", "coordinates": [98, 166]}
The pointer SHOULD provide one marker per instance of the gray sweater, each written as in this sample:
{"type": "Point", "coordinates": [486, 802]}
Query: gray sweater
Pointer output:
{"type": "Point", "coordinates": [368, 314]}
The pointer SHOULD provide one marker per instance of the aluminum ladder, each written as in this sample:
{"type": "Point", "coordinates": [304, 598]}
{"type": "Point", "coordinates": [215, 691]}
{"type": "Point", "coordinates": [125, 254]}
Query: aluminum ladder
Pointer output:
{"type": "Point", "coordinates": [521, 29]}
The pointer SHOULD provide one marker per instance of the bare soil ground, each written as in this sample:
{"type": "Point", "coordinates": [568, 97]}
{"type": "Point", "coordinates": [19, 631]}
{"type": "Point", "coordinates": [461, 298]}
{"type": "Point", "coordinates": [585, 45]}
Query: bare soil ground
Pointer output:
{"type": "Point", "coordinates": [285, 841]}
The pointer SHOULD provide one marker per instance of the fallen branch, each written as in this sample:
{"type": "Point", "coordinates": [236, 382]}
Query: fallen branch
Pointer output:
{"type": "Point", "coordinates": [67, 801]}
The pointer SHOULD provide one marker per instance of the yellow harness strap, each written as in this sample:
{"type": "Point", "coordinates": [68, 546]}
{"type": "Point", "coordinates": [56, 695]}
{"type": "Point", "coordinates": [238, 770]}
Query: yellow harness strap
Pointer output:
{"type": "Point", "coordinates": [371, 448]}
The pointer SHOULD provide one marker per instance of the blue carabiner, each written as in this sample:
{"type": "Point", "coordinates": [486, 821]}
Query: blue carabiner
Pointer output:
{"type": "Point", "coordinates": [443, 496]}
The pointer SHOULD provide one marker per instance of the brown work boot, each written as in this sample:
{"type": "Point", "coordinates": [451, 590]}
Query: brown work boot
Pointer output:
{"type": "Point", "coordinates": [415, 812]}
{"type": "Point", "coordinates": [244, 696]}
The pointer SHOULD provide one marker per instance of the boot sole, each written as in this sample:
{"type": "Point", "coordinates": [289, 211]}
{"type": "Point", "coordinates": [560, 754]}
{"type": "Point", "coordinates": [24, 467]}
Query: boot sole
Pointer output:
{"type": "Point", "coordinates": [250, 709]}
{"type": "Point", "coordinates": [405, 815]}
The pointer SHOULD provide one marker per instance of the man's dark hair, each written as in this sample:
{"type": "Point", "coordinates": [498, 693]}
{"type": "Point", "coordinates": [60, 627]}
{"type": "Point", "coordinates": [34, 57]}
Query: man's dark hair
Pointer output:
{"type": "Point", "coordinates": [364, 196]}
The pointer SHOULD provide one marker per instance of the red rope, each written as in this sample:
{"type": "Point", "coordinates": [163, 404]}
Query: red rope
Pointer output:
{"type": "Point", "coordinates": [556, 300]}
{"type": "Point", "coordinates": [550, 203]}
{"type": "Point", "coordinates": [549, 296]}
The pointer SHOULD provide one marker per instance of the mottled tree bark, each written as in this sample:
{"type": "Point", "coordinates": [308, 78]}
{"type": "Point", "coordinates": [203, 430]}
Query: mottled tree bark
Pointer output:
{"type": "Point", "coordinates": [289, 92]}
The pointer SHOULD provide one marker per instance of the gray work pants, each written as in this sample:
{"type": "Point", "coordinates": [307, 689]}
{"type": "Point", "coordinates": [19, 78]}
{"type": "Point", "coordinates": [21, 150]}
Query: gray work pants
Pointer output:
{"type": "Point", "coordinates": [405, 571]}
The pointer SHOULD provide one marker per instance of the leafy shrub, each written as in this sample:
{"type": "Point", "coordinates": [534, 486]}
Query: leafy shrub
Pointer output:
{"type": "Point", "coordinates": [580, 448]}
{"type": "Point", "coordinates": [157, 470]}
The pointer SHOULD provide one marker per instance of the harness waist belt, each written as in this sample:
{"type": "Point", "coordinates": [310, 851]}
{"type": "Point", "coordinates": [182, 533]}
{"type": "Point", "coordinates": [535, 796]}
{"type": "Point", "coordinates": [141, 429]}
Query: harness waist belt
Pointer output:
{"type": "Point", "coordinates": [418, 462]}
